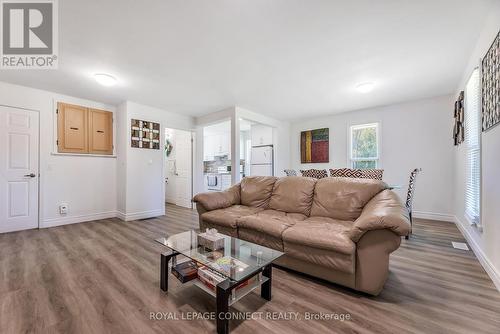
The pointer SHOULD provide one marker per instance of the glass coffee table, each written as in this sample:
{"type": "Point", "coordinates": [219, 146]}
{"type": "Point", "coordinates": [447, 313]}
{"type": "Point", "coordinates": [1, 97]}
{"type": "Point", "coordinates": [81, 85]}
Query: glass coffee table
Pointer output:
{"type": "Point", "coordinates": [243, 266]}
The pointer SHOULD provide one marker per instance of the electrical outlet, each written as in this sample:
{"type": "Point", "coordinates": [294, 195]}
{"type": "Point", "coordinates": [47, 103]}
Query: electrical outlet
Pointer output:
{"type": "Point", "coordinates": [63, 208]}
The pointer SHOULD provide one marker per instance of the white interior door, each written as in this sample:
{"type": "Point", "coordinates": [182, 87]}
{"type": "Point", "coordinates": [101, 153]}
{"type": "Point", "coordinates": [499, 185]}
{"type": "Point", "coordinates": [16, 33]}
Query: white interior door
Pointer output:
{"type": "Point", "coordinates": [170, 186]}
{"type": "Point", "coordinates": [18, 169]}
{"type": "Point", "coordinates": [183, 177]}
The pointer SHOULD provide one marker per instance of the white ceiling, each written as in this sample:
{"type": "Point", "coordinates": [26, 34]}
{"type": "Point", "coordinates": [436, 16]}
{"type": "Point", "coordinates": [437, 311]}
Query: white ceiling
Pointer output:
{"type": "Point", "coordinates": [285, 58]}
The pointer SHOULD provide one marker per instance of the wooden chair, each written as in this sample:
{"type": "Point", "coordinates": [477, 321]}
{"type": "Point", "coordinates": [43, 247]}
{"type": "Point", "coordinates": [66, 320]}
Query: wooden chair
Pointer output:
{"type": "Point", "coordinates": [290, 172]}
{"type": "Point", "coordinates": [315, 173]}
{"type": "Point", "coordinates": [375, 174]}
{"type": "Point", "coordinates": [409, 196]}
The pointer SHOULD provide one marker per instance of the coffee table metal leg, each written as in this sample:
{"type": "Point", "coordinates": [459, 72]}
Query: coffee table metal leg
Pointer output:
{"type": "Point", "coordinates": [222, 307]}
{"type": "Point", "coordinates": [165, 259]}
{"type": "Point", "coordinates": [265, 290]}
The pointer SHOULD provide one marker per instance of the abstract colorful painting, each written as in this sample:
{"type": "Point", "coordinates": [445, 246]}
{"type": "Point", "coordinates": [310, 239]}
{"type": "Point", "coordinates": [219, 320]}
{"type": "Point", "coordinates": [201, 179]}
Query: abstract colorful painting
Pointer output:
{"type": "Point", "coordinates": [314, 146]}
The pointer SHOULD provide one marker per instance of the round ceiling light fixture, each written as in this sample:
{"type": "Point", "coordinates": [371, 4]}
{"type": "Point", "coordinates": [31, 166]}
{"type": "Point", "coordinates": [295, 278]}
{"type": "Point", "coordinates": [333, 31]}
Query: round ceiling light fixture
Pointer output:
{"type": "Point", "coordinates": [365, 87]}
{"type": "Point", "coordinates": [105, 79]}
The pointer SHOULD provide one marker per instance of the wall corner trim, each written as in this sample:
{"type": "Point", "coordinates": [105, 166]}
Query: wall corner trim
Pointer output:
{"type": "Point", "coordinates": [140, 215]}
{"type": "Point", "coordinates": [492, 272]}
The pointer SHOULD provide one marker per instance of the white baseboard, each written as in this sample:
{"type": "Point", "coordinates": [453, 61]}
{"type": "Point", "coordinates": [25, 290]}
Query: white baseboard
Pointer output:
{"type": "Point", "coordinates": [492, 272]}
{"type": "Point", "coordinates": [65, 220]}
{"type": "Point", "coordinates": [121, 215]}
{"type": "Point", "coordinates": [140, 215]}
{"type": "Point", "coordinates": [434, 216]}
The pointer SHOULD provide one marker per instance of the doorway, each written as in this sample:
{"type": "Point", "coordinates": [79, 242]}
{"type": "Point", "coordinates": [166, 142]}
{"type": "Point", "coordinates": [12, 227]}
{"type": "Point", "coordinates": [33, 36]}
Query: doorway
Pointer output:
{"type": "Point", "coordinates": [179, 167]}
{"type": "Point", "coordinates": [19, 142]}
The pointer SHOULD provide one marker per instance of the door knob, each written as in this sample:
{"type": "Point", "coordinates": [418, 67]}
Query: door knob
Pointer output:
{"type": "Point", "coordinates": [30, 175]}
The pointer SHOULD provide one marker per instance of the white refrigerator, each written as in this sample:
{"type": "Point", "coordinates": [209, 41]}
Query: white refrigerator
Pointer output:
{"type": "Point", "coordinates": [261, 161]}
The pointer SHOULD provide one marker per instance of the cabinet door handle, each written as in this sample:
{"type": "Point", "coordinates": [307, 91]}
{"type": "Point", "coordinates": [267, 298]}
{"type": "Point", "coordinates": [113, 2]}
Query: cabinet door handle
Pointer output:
{"type": "Point", "coordinates": [74, 128]}
{"type": "Point", "coordinates": [100, 131]}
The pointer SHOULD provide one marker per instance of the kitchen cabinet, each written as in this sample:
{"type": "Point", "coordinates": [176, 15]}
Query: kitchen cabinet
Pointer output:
{"type": "Point", "coordinates": [261, 135]}
{"type": "Point", "coordinates": [216, 145]}
{"type": "Point", "coordinates": [223, 146]}
{"type": "Point", "coordinates": [208, 148]}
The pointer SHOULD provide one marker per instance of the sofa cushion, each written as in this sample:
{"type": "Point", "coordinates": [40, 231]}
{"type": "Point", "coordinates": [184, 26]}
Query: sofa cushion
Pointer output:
{"type": "Point", "coordinates": [276, 213]}
{"type": "Point", "coordinates": [274, 226]}
{"type": "Point", "coordinates": [227, 217]}
{"type": "Point", "coordinates": [322, 232]}
{"type": "Point", "coordinates": [323, 241]}
{"type": "Point", "coordinates": [293, 194]}
{"type": "Point", "coordinates": [343, 198]}
{"type": "Point", "coordinates": [256, 190]}
{"type": "Point", "coordinates": [265, 230]}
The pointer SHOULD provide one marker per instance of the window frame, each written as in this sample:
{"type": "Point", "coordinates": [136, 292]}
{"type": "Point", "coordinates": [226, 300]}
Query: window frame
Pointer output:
{"type": "Point", "coordinates": [473, 220]}
{"type": "Point", "coordinates": [377, 159]}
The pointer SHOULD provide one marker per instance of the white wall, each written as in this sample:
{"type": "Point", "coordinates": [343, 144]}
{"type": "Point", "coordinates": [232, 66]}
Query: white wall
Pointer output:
{"type": "Point", "coordinates": [413, 134]}
{"type": "Point", "coordinates": [486, 244]}
{"type": "Point", "coordinates": [87, 184]}
{"type": "Point", "coordinates": [121, 146]}
{"type": "Point", "coordinates": [144, 173]}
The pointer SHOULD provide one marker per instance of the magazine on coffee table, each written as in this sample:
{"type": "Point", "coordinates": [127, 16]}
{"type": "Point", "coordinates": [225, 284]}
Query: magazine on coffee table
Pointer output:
{"type": "Point", "coordinates": [226, 264]}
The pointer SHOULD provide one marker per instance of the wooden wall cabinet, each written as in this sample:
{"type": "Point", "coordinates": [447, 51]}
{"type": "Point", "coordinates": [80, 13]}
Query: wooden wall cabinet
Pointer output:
{"type": "Point", "coordinates": [100, 132]}
{"type": "Point", "coordinates": [72, 128]}
{"type": "Point", "coordinates": [84, 130]}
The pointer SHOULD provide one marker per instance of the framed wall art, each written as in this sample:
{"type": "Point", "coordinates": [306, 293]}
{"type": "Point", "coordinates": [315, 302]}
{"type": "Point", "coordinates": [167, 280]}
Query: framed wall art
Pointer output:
{"type": "Point", "coordinates": [458, 128]}
{"type": "Point", "coordinates": [314, 146]}
{"type": "Point", "coordinates": [490, 85]}
{"type": "Point", "coordinates": [145, 134]}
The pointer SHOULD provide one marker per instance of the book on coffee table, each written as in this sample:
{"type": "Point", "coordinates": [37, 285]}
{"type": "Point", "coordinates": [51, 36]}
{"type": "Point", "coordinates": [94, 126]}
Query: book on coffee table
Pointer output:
{"type": "Point", "coordinates": [228, 264]}
{"type": "Point", "coordinates": [185, 271]}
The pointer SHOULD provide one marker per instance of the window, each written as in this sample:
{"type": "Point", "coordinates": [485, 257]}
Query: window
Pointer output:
{"type": "Point", "coordinates": [364, 146]}
{"type": "Point", "coordinates": [473, 144]}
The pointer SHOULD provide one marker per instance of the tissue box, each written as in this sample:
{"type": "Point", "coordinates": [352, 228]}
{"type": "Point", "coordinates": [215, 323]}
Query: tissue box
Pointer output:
{"type": "Point", "coordinates": [211, 241]}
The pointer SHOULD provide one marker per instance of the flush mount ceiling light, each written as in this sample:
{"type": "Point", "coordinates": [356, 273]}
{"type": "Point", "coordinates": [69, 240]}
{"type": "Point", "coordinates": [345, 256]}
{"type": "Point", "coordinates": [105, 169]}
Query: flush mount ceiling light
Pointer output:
{"type": "Point", "coordinates": [365, 87]}
{"type": "Point", "coordinates": [105, 79]}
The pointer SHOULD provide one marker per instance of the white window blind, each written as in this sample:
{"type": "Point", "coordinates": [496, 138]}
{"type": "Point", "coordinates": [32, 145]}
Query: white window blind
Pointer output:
{"type": "Point", "coordinates": [473, 143]}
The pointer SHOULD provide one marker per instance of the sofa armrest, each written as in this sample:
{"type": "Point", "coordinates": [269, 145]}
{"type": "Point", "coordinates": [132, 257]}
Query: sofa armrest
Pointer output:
{"type": "Point", "coordinates": [384, 211]}
{"type": "Point", "coordinates": [220, 199]}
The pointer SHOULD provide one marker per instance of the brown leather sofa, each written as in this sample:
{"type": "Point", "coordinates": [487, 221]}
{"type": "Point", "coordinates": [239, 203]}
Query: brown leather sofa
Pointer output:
{"type": "Point", "coordinates": [338, 229]}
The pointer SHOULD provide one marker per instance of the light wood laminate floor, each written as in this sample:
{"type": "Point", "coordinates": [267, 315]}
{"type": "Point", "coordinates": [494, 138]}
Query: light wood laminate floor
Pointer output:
{"type": "Point", "coordinates": [103, 277]}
